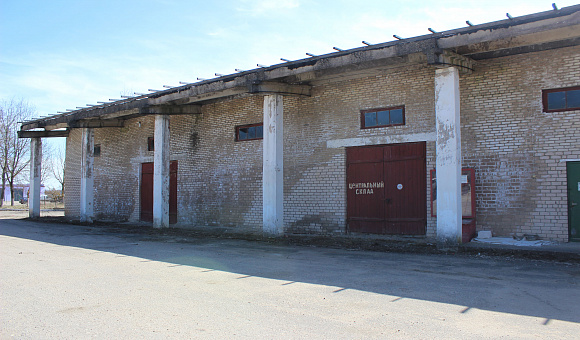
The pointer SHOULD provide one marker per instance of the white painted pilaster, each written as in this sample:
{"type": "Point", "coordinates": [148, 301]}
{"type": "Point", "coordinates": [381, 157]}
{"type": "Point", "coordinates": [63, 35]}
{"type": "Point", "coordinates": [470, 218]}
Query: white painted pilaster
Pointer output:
{"type": "Point", "coordinates": [448, 163]}
{"type": "Point", "coordinates": [87, 180]}
{"type": "Point", "coordinates": [35, 171]}
{"type": "Point", "coordinates": [273, 166]}
{"type": "Point", "coordinates": [161, 173]}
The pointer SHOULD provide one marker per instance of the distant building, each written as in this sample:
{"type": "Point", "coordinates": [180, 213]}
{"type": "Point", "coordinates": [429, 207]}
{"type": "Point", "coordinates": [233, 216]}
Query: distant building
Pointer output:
{"type": "Point", "coordinates": [20, 192]}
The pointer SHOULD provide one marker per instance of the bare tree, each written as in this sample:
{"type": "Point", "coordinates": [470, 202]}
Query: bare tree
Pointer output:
{"type": "Point", "coordinates": [15, 151]}
{"type": "Point", "coordinates": [47, 157]}
{"type": "Point", "coordinates": [4, 150]}
{"type": "Point", "coordinates": [46, 169]}
{"type": "Point", "coordinates": [58, 165]}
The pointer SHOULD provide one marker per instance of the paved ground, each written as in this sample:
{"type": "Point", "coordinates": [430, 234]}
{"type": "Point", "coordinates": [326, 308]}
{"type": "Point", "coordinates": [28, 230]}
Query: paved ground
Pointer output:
{"type": "Point", "coordinates": [66, 281]}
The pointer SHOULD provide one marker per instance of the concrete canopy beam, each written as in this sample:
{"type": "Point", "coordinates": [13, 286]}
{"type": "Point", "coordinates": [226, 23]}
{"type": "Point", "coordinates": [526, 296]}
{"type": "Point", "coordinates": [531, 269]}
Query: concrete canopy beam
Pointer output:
{"type": "Point", "coordinates": [171, 110]}
{"type": "Point", "coordinates": [92, 112]}
{"type": "Point", "coordinates": [280, 88]}
{"type": "Point", "coordinates": [97, 123]}
{"type": "Point", "coordinates": [447, 58]}
{"type": "Point", "coordinates": [43, 134]}
{"type": "Point", "coordinates": [509, 36]}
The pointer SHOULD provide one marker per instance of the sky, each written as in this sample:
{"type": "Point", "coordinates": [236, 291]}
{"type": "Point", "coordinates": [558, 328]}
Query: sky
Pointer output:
{"type": "Point", "coordinates": [63, 54]}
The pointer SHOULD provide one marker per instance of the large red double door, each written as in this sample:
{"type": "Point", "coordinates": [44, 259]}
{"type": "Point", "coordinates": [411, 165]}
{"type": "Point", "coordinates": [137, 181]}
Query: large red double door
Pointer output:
{"type": "Point", "coordinates": [386, 189]}
{"type": "Point", "coordinates": [147, 192]}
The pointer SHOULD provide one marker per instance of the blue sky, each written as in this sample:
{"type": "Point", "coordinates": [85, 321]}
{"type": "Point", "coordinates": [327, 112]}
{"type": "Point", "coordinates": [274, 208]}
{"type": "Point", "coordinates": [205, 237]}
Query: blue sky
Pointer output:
{"type": "Point", "coordinates": [60, 54]}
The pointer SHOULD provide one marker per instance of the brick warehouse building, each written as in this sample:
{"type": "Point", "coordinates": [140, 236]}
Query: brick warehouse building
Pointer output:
{"type": "Point", "coordinates": [349, 142]}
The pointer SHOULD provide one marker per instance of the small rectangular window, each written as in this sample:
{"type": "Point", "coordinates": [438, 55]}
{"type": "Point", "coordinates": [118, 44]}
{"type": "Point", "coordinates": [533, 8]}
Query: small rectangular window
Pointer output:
{"type": "Point", "coordinates": [564, 99]}
{"type": "Point", "coordinates": [249, 132]}
{"type": "Point", "coordinates": [97, 150]}
{"type": "Point", "coordinates": [150, 144]}
{"type": "Point", "coordinates": [382, 117]}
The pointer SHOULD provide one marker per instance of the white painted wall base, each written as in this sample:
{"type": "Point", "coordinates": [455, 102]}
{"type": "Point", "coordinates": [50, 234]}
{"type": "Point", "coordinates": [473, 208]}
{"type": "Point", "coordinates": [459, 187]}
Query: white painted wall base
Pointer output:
{"type": "Point", "coordinates": [161, 173]}
{"type": "Point", "coordinates": [273, 166]}
{"type": "Point", "coordinates": [448, 163]}
{"type": "Point", "coordinates": [35, 171]}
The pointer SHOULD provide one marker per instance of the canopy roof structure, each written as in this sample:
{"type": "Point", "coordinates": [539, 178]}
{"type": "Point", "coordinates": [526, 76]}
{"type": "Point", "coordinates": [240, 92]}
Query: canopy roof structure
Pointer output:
{"type": "Point", "coordinates": [461, 47]}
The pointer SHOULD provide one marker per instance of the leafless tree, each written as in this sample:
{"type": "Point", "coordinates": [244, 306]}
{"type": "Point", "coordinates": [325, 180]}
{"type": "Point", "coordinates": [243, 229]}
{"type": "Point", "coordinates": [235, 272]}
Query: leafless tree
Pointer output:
{"type": "Point", "coordinates": [57, 167]}
{"type": "Point", "coordinates": [15, 151]}
{"type": "Point", "coordinates": [47, 157]}
{"type": "Point", "coordinates": [4, 150]}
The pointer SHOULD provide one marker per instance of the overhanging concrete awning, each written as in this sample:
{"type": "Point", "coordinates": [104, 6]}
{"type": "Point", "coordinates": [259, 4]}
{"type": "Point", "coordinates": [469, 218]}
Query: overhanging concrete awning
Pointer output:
{"type": "Point", "coordinates": [459, 47]}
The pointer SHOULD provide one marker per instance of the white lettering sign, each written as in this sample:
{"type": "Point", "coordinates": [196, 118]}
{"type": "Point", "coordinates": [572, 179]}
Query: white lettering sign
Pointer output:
{"type": "Point", "coordinates": [365, 188]}
{"type": "Point", "coordinates": [368, 185]}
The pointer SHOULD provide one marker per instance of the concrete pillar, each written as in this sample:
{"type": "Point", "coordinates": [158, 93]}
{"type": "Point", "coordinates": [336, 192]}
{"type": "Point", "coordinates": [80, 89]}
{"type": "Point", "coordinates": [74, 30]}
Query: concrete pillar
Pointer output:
{"type": "Point", "coordinates": [448, 163]}
{"type": "Point", "coordinates": [273, 166]}
{"type": "Point", "coordinates": [87, 180]}
{"type": "Point", "coordinates": [35, 171]}
{"type": "Point", "coordinates": [161, 173]}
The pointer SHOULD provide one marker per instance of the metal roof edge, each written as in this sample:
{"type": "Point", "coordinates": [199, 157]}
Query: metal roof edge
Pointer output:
{"type": "Point", "coordinates": [291, 65]}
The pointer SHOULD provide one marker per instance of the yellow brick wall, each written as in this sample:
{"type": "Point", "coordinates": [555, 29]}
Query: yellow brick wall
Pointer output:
{"type": "Point", "coordinates": [72, 175]}
{"type": "Point", "coordinates": [515, 149]}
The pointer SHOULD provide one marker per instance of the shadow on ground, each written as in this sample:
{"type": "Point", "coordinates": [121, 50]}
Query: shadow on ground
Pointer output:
{"type": "Point", "coordinates": [548, 290]}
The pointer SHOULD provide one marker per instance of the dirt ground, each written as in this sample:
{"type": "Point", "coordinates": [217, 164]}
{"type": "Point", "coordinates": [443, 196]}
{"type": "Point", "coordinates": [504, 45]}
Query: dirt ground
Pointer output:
{"type": "Point", "coordinates": [43, 205]}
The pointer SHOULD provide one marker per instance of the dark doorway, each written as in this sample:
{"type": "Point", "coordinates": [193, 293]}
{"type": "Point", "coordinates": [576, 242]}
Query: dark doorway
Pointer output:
{"type": "Point", "coordinates": [386, 189]}
{"type": "Point", "coordinates": [147, 192]}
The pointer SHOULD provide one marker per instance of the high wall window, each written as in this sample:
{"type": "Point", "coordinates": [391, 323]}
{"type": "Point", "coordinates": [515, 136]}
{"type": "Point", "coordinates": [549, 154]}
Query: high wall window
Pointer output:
{"type": "Point", "coordinates": [249, 132]}
{"type": "Point", "coordinates": [97, 150]}
{"type": "Point", "coordinates": [150, 144]}
{"type": "Point", "coordinates": [564, 99]}
{"type": "Point", "coordinates": [381, 117]}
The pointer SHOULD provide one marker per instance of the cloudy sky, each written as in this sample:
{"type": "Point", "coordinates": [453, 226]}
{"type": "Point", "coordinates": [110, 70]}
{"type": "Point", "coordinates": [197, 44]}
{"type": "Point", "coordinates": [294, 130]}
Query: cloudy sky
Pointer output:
{"type": "Point", "coordinates": [60, 54]}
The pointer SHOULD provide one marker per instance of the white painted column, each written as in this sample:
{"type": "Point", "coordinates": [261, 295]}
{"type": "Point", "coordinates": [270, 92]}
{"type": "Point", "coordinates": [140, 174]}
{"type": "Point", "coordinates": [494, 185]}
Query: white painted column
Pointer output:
{"type": "Point", "coordinates": [87, 180]}
{"type": "Point", "coordinates": [448, 164]}
{"type": "Point", "coordinates": [35, 171]}
{"type": "Point", "coordinates": [161, 173]}
{"type": "Point", "coordinates": [273, 166]}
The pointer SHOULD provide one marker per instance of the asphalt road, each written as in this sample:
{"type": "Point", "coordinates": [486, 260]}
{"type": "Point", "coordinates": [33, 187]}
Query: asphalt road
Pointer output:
{"type": "Point", "coordinates": [64, 281]}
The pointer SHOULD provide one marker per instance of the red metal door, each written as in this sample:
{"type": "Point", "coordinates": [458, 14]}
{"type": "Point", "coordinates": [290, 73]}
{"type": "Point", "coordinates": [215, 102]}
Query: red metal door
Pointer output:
{"type": "Point", "coordinates": [405, 189]}
{"type": "Point", "coordinates": [173, 192]}
{"type": "Point", "coordinates": [365, 189]}
{"type": "Point", "coordinates": [147, 192]}
{"type": "Point", "coordinates": [387, 189]}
